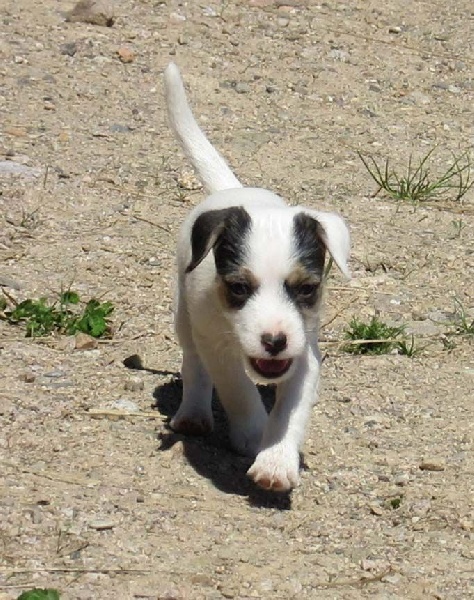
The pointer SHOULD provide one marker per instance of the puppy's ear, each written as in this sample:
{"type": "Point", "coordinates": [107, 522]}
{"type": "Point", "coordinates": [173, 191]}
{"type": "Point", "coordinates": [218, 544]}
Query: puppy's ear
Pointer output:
{"type": "Point", "coordinates": [335, 236]}
{"type": "Point", "coordinates": [208, 229]}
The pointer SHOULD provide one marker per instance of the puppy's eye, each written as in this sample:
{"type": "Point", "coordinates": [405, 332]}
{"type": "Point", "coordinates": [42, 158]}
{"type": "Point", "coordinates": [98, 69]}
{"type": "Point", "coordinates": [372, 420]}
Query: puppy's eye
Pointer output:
{"type": "Point", "coordinates": [239, 289]}
{"type": "Point", "coordinates": [306, 290]}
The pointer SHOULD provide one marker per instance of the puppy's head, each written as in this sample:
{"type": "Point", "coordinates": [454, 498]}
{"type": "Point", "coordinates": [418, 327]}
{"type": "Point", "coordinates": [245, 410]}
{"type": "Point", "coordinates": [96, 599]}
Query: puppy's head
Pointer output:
{"type": "Point", "coordinates": [269, 275]}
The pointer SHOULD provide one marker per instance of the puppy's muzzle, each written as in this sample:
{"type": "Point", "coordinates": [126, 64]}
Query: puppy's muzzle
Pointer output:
{"type": "Point", "coordinates": [272, 368]}
{"type": "Point", "coordinates": [274, 344]}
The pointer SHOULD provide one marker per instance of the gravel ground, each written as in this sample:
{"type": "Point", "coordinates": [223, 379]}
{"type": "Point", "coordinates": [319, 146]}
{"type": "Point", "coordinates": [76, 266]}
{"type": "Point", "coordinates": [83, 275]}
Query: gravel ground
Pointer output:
{"type": "Point", "coordinates": [103, 505]}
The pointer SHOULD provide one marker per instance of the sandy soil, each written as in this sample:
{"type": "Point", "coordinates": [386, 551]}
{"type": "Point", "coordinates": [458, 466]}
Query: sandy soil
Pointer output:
{"type": "Point", "coordinates": [104, 507]}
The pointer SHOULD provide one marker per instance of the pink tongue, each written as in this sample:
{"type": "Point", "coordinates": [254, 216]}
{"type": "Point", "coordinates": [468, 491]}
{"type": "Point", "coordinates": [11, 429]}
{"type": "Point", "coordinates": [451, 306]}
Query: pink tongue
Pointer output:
{"type": "Point", "coordinates": [271, 366]}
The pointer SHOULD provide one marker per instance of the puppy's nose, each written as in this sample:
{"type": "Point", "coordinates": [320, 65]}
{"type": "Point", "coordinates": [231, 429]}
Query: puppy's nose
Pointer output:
{"type": "Point", "coordinates": [273, 344]}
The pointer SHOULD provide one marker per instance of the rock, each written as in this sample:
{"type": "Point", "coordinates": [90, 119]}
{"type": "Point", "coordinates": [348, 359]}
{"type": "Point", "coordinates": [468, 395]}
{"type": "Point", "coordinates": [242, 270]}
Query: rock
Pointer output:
{"type": "Point", "coordinates": [16, 131]}
{"type": "Point", "coordinates": [126, 55]}
{"type": "Point", "coordinates": [339, 55]}
{"type": "Point", "coordinates": [9, 167]}
{"type": "Point", "coordinates": [9, 283]}
{"type": "Point", "coordinates": [376, 421]}
{"type": "Point", "coordinates": [117, 128]}
{"type": "Point", "coordinates": [27, 377]}
{"type": "Point", "coordinates": [432, 465]}
{"type": "Point", "coordinates": [177, 18]}
{"type": "Point", "coordinates": [124, 404]}
{"type": "Point", "coordinates": [423, 328]}
{"type": "Point", "coordinates": [66, 343]}
{"type": "Point", "coordinates": [54, 374]}
{"type": "Point", "coordinates": [95, 12]}
{"type": "Point", "coordinates": [133, 362]}
{"type": "Point", "coordinates": [376, 509]}
{"type": "Point", "coordinates": [68, 49]}
{"type": "Point", "coordinates": [134, 384]}
{"type": "Point", "coordinates": [418, 97]}
{"type": "Point", "coordinates": [401, 479]}
{"type": "Point", "coordinates": [102, 524]}
{"type": "Point", "coordinates": [85, 342]}
{"type": "Point", "coordinates": [242, 88]}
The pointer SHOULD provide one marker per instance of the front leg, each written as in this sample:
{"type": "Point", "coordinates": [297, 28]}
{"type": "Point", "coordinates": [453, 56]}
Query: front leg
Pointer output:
{"type": "Point", "coordinates": [277, 464]}
{"type": "Point", "coordinates": [241, 401]}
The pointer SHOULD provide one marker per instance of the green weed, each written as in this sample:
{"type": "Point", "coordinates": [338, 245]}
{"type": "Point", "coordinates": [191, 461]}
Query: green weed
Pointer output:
{"type": "Point", "coordinates": [462, 323]}
{"type": "Point", "coordinates": [418, 184]}
{"type": "Point", "coordinates": [408, 347]}
{"type": "Point", "coordinates": [39, 594]}
{"type": "Point", "coordinates": [459, 225]}
{"type": "Point", "coordinates": [395, 502]}
{"type": "Point", "coordinates": [63, 316]}
{"type": "Point", "coordinates": [374, 337]}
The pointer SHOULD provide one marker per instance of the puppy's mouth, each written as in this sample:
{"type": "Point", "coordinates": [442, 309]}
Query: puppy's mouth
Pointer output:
{"type": "Point", "coordinates": [270, 368]}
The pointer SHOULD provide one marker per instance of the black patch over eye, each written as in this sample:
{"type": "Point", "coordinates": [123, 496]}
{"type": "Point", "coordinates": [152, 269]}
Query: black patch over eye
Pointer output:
{"type": "Point", "coordinates": [239, 289]}
{"type": "Point", "coordinates": [306, 290]}
{"type": "Point", "coordinates": [304, 294]}
{"type": "Point", "coordinates": [238, 292]}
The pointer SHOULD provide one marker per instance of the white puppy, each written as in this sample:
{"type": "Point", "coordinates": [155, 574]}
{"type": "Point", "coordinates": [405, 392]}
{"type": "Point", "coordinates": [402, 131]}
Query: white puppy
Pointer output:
{"type": "Point", "coordinates": [250, 275]}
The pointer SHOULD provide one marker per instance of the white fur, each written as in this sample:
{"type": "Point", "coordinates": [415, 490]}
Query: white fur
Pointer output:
{"type": "Point", "coordinates": [217, 343]}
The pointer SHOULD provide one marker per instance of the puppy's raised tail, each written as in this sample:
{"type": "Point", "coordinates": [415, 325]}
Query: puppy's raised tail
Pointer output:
{"type": "Point", "coordinates": [211, 168]}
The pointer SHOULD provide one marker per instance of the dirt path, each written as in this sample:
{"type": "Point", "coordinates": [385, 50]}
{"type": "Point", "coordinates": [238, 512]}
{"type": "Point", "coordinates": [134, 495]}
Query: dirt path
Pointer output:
{"type": "Point", "coordinates": [104, 507]}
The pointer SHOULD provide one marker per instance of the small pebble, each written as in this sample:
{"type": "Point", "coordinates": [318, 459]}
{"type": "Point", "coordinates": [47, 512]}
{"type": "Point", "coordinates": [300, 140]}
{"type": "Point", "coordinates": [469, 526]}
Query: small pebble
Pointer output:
{"type": "Point", "coordinates": [27, 377]}
{"type": "Point", "coordinates": [375, 509]}
{"type": "Point", "coordinates": [102, 524]}
{"type": "Point", "coordinates": [242, 88]}
{"type": "Point", "coordinates": [85, 342]}
{"type": "Point", "coordinates": [134, 384]}
{"type": "Point", "coordinates": [431, 465]}
{"type": "Point", "coordinates": [95, 12]}
{"type": "Point", "coordinates": [54, 374]}
{"type": "Point", "coordinates": [126, 55]}
{"type": "Point", "coordinates": [124, 404]}
{"type": "Point", "coordinates": [9, 167]}
{"type": "Point", "coordinates": [68, 49]}
{"type": "Point", "coordinates": [10, 283]}
{"type": "Point", "coordinates": [402, 479]}
{"type": "Point", "coordinates": [16, 131]}
{"type": "Point", "coordinates": [117, 128]}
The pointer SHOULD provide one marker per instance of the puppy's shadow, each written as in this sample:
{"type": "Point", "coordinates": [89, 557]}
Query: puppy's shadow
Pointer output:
{"type": "Point", "coordinates": [211, 456]}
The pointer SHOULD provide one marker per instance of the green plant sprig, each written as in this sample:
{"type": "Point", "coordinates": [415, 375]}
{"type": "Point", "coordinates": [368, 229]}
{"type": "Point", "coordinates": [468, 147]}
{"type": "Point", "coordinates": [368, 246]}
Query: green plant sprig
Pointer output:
{"type": "Point", "coordinates": [64, 316]}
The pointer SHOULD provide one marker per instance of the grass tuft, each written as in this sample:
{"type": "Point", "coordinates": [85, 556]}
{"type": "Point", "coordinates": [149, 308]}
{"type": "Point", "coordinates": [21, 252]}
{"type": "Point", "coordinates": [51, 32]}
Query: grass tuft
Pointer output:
{"type": "Point", "coordinates": [376, 337]}
{"type": "Point", "coordinates": [418, 184]}
{"type": "Point", "coordinates": [463, 324]}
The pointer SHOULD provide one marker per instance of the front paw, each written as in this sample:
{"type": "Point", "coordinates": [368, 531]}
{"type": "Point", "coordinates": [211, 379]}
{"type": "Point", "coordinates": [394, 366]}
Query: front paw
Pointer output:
{"type": "Point", "coordinates": [276, 469]}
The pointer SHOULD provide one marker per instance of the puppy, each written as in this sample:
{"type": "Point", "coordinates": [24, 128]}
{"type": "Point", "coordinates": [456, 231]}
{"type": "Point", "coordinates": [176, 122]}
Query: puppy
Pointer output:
{"type": "Point", "coordinates": [250, 277]}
